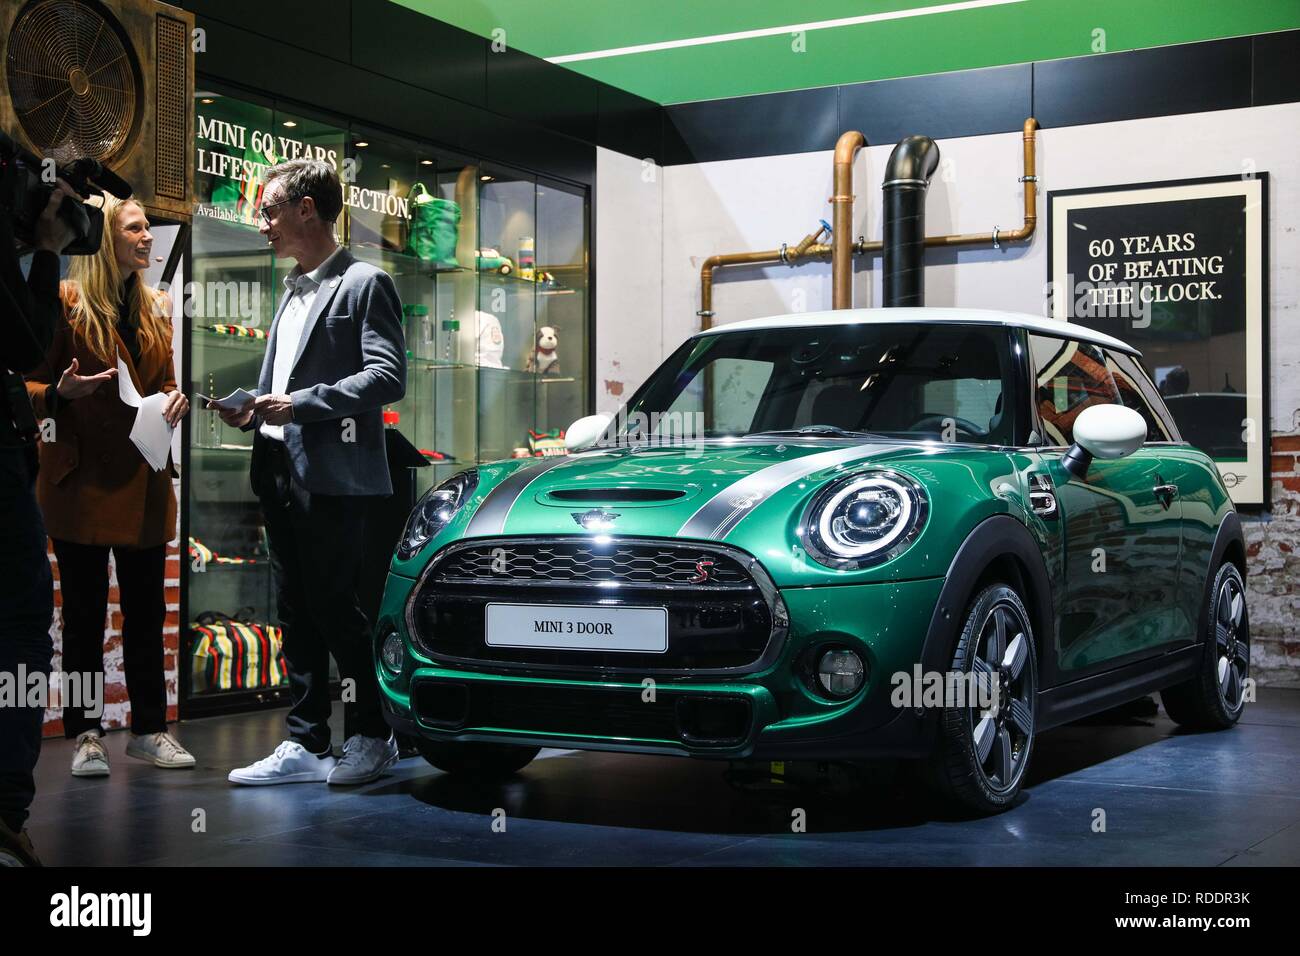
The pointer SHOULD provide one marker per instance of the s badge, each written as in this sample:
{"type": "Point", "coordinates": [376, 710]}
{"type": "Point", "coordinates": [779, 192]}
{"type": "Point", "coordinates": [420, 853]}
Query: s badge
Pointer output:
{"type": "Point", "coordinates": [704, 571]}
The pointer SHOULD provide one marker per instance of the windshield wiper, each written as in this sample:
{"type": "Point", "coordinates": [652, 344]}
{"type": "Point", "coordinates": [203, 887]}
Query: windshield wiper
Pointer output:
{"type": "Point", "coordinates": [832, 430]}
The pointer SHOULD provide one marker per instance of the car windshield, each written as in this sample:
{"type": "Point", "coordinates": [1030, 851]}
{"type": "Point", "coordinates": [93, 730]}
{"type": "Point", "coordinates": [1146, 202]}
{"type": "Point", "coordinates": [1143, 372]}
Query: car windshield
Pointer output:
{"type": "Point", "coordinates": [909, 381]}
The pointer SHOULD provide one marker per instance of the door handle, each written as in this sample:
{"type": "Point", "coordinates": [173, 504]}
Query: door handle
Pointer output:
{"type": "Point", "coordinates": [1166, 493]}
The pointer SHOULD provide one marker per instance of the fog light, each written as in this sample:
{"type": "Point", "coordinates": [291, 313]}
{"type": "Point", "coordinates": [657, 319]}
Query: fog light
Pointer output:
{"type": "Point", "coordinates": [393, 653]}
{"type": "Point", "coordinates": [840, 672]}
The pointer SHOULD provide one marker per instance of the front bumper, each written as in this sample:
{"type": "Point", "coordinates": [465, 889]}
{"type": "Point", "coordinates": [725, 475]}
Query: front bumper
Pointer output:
{"type": "Point", "coordinates": [771, 712]}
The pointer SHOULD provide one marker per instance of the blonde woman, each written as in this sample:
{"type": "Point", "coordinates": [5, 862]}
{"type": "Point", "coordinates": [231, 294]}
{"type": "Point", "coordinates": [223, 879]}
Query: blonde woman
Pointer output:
{"type": "Point", "coordinates": [97, 492]}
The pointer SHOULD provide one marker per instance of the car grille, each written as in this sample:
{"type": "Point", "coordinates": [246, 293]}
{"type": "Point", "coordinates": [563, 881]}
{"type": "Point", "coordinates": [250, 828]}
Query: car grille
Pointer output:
{"type": "Point", "coordinates": [724, 615]}
{"type": "Point", "coordinates": [580, 561]}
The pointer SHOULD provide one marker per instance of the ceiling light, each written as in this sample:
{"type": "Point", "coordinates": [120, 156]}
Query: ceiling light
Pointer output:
{"type": "Point", "coordinates": [290, 123]}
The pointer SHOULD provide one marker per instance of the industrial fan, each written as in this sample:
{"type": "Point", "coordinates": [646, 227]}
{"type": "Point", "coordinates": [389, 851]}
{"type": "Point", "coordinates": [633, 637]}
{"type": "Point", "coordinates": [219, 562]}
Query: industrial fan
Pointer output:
{"type": "Point", "coordinates": [74, 80]}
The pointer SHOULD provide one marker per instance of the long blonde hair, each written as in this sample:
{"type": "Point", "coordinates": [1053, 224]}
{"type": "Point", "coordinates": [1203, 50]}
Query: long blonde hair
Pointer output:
{"type": "Point", "coordinates": [94, 289]}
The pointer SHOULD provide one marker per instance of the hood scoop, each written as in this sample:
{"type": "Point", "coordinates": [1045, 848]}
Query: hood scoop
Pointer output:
{"type": "Point", "coordinates": [606, 496]}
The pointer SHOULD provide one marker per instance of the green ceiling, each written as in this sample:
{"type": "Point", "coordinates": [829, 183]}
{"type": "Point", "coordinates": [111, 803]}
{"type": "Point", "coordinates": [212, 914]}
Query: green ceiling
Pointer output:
{"type": "Point", "coordinates": [971, 34]}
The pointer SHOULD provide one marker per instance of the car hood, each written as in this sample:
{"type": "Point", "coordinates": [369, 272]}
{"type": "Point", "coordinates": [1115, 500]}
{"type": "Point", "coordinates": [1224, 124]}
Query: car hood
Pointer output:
{"type": "Point", "coordinates": [699, 491]}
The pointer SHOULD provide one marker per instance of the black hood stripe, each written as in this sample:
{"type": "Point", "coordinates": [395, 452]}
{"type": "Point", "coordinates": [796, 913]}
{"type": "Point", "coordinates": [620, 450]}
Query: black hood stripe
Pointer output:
{"type": "Point", "coordinates": [716, 517]}
{"type": "Point", "coordinates": [491, 515]}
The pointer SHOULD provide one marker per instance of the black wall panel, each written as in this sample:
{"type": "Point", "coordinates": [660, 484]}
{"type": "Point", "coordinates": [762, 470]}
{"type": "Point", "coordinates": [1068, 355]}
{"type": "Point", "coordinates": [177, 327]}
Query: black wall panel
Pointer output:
{"type": "Point", "coordinates": [796, 122]}
{"type": "Point", "coordinates": [629, 123]}
{"type": "Point", "coordinates": [943, 105]}
{"type": "Point", "coordinates": [1189, 78]}
{"type": "Point", "coordinates": [404, 45]}
{"type": "Point", "coordinates": [1276, 68]}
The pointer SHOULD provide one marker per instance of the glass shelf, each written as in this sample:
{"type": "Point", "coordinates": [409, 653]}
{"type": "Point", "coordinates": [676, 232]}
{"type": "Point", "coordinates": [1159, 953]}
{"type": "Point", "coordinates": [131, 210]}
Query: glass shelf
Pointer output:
{"type": "Point", "coordinates": [469, 331]}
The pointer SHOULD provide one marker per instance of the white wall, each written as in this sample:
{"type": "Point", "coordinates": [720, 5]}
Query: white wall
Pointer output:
{"type": "Point", "coordinates": [748, 204]}
{"type": "Point", "coordinates": [629, 275]}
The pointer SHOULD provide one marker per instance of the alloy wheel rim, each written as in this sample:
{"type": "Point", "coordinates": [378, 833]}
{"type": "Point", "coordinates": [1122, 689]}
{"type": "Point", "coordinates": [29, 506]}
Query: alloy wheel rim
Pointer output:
{"type": "Point", "coordinates": [1232, 640]}
{"type": "Point", "coordinates": [1001, 734]}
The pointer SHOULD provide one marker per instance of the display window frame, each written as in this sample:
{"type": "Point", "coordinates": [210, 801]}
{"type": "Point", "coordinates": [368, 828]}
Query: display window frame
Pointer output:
{"type": "Point", "coordinates": [444, 166]}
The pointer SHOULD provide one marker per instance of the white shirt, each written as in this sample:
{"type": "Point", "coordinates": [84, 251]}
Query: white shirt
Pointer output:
{"type": "Point", "coordinates": [303, 287]}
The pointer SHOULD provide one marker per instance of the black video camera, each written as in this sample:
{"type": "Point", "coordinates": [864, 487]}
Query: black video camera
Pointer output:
{"type": "Point", "coordinates": [25, 186]}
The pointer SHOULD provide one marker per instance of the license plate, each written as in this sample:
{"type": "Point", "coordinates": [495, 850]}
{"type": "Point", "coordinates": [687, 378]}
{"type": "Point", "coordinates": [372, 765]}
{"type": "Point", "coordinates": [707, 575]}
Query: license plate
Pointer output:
{"type": "Point", "coordinates": [573, 627]}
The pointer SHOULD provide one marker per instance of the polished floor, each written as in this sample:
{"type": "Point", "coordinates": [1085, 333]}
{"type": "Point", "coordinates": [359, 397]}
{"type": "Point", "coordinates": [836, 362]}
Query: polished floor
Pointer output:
{"type": "Point", "coordinates": [1169, 799]}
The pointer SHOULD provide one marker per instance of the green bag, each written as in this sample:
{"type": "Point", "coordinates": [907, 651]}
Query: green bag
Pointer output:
{"type": "Point", "coordinates": [435, 223]}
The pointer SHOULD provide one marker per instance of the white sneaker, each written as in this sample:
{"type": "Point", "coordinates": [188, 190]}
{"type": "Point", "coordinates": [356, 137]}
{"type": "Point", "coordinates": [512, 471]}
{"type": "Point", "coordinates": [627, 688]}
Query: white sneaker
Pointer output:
{"type": "Point", "coordinates": [161, 749]}
{"type": "Point", "coordinates": [291, 763]}
{"type": "Point", "coordinates": [91, 759]}
{"type": "Point", "coordinates": [364, 759]}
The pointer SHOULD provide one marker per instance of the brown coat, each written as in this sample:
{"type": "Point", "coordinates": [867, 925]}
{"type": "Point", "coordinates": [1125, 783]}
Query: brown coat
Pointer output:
{"type": "Point", "coordinates": [94, 486]}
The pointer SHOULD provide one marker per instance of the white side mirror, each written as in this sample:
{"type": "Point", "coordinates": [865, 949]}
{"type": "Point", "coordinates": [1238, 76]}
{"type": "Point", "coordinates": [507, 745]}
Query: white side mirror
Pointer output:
{"type": "Point", "coordinates": [1107, 432]}
{"type": "Point", "coordinates": [585, 432]}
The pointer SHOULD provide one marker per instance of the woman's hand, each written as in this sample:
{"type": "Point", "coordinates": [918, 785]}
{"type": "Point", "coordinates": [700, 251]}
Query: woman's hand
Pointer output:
{"type": "Point", "coordinates": [71, 385]}
{"type": "Point", "coordinates": [176, 408]}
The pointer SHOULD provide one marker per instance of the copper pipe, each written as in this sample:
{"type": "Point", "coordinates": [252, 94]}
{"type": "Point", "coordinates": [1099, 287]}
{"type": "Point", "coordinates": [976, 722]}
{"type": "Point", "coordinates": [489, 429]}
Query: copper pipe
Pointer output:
{"type": "Point", "coordinates": [846, 149]}
{"type": "Point", "coordinates": [862, 247]}
{"type": "Point", "coordinates": [997, 237]}
{"type": "Point", "coordinates": [784, 254]}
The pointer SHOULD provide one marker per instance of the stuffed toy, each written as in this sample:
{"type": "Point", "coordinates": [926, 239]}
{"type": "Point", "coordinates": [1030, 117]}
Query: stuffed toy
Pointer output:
{"type": "Point", "coordinates": [544, 359]}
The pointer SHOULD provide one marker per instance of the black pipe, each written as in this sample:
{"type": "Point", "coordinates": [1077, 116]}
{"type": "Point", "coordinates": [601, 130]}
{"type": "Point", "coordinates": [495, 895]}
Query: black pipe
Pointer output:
{"type": "Point", "coordinates": [907, 175]}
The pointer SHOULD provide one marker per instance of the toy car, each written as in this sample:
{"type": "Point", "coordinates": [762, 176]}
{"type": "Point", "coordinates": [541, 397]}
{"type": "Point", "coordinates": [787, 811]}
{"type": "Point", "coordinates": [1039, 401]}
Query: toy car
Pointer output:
{"type": "Point", "coordinates": [915, 533]}
{"type": "Point", "coordinates": [490, 260]}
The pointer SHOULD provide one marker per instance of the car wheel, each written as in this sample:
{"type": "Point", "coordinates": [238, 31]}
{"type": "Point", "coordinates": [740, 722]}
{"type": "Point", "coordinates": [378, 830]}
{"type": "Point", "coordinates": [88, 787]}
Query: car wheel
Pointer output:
{"type": "Point", "coordinates": [1215, 697]}
{"type": "Point", "coordinates": [489, 761]}
{"type": "Point", "coordinates": [983, 752]}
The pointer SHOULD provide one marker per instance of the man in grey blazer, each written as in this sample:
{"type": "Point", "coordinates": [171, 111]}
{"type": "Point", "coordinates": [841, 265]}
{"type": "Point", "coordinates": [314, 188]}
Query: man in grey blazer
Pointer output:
{"type": "Point", "coordinates": [335, 356]}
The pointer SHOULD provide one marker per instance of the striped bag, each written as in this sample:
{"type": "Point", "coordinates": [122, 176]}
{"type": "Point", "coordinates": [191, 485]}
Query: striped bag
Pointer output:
{"type": "Point", "coordinates": [231, 654]}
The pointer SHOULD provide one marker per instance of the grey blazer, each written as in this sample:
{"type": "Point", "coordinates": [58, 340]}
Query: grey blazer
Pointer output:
{"type": "Point", "coordinates": [351, 362]}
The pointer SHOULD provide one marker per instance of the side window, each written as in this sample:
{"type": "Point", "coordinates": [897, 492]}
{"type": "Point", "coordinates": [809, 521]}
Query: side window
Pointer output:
{"type": "Point", "coordinates": [738, 386]}
{"type": "Point", "coordinates": [1166, 429]}
{"type": "Point", "coordinates": [1129, 382]}
{"type": "Point", "coordinates": [1070, 376]}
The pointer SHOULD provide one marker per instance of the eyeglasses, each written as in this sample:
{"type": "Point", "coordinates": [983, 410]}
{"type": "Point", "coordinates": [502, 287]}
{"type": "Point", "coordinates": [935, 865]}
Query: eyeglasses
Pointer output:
{"type": "Point", "coordinates": [262, 210]}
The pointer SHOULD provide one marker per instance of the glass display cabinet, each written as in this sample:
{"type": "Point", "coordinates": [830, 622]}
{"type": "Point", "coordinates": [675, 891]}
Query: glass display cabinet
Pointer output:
{"type": "Point", "coordinates": [492, 268]}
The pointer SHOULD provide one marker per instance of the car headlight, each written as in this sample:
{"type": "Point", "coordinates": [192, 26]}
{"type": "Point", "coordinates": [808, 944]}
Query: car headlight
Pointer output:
{"type": "Point", "coordinates": [434, 510]}
{"type": "Point", "coordinates": [864, 519]}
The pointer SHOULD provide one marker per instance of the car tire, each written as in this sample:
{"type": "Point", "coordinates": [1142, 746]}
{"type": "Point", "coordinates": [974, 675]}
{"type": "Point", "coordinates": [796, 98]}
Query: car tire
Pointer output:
{"type": "Point", "coordinates": [1214, 698]}
{"type": "Point", "coordinates": [487, 761]}
{"type": "Point", "coordinates": [981, 755]}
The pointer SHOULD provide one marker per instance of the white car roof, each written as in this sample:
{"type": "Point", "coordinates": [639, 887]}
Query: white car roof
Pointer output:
{"type": "Point", "coordinates": [1019, 320]}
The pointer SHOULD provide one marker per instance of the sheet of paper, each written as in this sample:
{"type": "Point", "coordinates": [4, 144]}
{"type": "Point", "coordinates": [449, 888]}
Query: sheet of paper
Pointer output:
{"type": "Point", "coordinates": [234, 402]}
{"type": "Point", "coordinates": [151, 433]}
{"type": "Point", "coordinates": [125, 387]}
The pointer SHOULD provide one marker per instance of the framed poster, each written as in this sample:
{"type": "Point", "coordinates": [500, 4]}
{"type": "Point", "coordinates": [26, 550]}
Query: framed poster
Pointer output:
{"type": "Point", "coordinates": [1179, 271]}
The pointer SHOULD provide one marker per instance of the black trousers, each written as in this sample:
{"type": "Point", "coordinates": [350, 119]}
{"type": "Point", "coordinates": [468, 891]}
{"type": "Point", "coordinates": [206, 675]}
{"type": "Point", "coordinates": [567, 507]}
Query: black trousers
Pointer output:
{"type": "Point", "coordinates": [83, 581]}
{"type": "Point", "coordinates": [316, 543]}
{"type": "Point", "coordinates": [26, 610]}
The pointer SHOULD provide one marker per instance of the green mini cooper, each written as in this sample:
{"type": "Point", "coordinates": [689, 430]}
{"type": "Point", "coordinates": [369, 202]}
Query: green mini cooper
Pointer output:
{"type": "Point", "coordinates": [915, 533]}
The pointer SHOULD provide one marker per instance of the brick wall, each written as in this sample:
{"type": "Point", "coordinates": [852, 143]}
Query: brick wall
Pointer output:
{"type": "Point", "coordinates": [1273, 570]}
